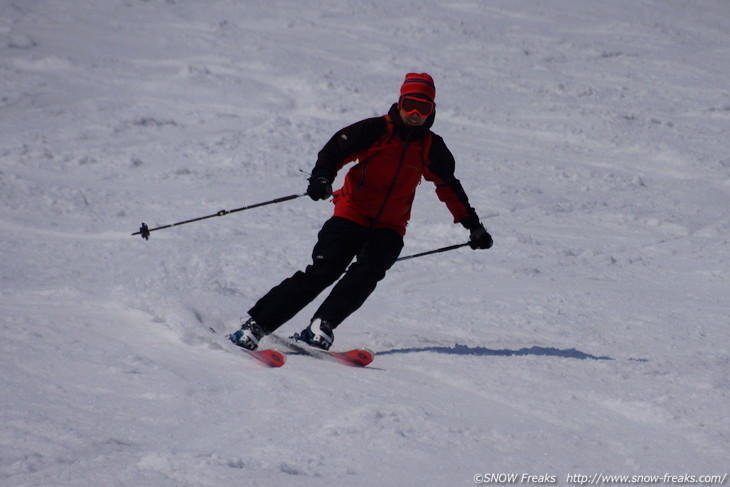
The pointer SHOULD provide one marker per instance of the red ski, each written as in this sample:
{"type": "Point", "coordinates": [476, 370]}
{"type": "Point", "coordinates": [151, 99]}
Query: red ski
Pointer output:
{"type": "Point", "coordinates": [269, 357]}
{"type": "Point", "coordinates": [357, 357]}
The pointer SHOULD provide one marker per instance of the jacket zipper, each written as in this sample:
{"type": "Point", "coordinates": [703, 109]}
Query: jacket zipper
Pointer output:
{"type": "Point", "coordinates": [392, 184]}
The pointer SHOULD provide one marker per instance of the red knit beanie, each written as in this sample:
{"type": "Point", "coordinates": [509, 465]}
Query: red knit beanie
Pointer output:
{"type": "Point", "coordinates": [419, 84]}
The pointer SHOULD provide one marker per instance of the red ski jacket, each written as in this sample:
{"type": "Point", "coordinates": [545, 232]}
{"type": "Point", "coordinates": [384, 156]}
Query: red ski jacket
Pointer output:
{"type": "Point", "coordinates": [391, 160]}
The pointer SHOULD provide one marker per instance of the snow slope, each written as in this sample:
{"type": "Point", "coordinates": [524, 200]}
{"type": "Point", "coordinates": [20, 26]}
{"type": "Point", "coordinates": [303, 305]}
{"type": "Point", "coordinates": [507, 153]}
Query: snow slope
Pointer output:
{"type": "Point", "coordinates": [593, 338]}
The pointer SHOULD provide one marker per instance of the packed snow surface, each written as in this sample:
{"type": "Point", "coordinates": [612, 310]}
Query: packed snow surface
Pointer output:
{"type": "Point", "coordinates": [591, 137]}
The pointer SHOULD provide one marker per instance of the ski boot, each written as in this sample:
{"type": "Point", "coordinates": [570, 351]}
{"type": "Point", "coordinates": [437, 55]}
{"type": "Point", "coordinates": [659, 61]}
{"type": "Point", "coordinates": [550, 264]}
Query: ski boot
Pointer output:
{"type": "Point", "coordinates": [248, 336]}
{"type": "Point", "coordinates": [318, 334]}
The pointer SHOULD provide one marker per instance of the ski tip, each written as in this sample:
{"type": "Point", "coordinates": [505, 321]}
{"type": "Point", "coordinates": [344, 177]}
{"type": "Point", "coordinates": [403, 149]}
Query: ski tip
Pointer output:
{"type": "Point", "coordinates": [269, 357]}
{"type": "Point", "coordinates": [360, 357]}
{"type": "Point", "coordinates": [279, 357]}
{"type": "Point", "coordinates": [276, 358]}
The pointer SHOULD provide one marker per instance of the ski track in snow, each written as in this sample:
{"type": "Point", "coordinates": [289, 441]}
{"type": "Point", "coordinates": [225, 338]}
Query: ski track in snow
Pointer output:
{"type": "Point", "coordinates": [590, 136]}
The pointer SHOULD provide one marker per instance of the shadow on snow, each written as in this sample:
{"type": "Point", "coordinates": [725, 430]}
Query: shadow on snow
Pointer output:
{"type": "Point", "coordinates": [488, 352]}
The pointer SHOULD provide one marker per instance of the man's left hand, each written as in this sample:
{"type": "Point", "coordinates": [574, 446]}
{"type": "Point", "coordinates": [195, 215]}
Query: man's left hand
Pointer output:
{"type": "Point", "coordinates": [480, 238]}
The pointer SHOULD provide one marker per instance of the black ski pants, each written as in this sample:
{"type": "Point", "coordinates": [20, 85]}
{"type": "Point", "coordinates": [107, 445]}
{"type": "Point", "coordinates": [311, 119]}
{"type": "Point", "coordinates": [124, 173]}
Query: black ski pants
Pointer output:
{"type": "Point", "coordinates": [339, 242]}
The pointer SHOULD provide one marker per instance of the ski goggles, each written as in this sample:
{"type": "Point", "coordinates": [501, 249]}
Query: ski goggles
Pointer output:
{"type": "Point", "coordinates": [410, 105]}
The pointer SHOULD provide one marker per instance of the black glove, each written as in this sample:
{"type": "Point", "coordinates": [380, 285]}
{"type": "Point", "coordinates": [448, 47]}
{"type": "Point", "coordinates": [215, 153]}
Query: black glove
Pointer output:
{"type": "Point", "coordinates": [319, 188]}
{"type": "Point", "coordinates": [480, 238]}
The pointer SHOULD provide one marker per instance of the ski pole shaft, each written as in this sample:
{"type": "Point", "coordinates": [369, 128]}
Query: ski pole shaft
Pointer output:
{"type": "Point", "coordinates": [435, 251]}
{"type": "Point", "coordinates": [144, 230]}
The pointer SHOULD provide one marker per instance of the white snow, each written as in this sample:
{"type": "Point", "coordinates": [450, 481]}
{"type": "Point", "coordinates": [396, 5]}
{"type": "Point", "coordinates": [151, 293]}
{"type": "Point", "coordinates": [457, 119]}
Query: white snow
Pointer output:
{"type": "Point", "coordinates": [592, 339]}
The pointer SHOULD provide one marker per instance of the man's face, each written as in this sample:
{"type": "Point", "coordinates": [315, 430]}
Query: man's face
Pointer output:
{"type": "Point", "coordinates": [414, 110]}
{"type": "Point", "coordinates": [413, 119]}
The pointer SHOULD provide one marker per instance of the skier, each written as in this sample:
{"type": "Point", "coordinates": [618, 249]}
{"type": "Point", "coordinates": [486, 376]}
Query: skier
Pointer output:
{"type": "Point", "coordinates": [393, 152]}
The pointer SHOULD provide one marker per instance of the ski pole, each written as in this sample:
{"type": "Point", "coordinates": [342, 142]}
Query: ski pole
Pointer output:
{"type": "Point", "coordinates": [436, 251]}
{"type": "Point", "coordinates": [144, 230]}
